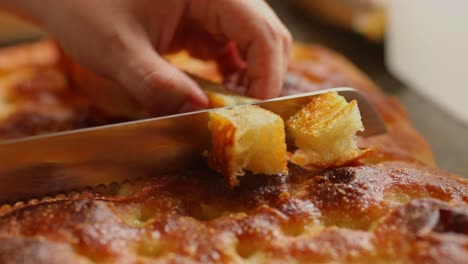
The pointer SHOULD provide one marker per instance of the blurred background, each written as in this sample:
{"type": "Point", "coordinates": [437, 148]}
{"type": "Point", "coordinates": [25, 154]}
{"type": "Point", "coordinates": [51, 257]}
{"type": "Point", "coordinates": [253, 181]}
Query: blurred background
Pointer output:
{"type": "Point", "coordinates": [413, 50]}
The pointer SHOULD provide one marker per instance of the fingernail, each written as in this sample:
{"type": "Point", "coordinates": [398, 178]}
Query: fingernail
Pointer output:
{"type": "Point", "coordinates": [189, 107]}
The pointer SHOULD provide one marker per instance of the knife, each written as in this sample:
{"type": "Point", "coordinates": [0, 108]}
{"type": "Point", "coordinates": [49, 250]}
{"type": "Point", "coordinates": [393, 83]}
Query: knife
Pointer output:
{"type": "Point", "coordinates": [61, 162]}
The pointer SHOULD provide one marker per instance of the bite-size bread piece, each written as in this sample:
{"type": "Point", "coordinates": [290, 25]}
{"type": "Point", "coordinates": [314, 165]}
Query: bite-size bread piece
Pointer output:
{"type": "Point", "coordinates": [324, 132]}
{"type": "Point", "coordinates": [247, 138]}
{"type": "Point", "coordinates": [224, 100]}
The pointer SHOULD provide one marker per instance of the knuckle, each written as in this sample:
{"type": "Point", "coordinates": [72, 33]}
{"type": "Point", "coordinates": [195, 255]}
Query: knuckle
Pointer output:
{"type": "Point", "coordinates": [117, 43]}
{"type": "Point", "coordinates": [288, 38]}
{"type": "Point", "coordinates": [158, 80]}
{"type": "Point", "coordinates": [276, 34]}
{"type": "Point", "coordinates": [270, 38]}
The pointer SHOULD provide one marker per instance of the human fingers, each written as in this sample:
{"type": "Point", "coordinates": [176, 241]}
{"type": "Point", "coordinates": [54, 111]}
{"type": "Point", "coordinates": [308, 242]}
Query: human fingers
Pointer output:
{"type": "Point", "coordinates": [259, 34]}
{"type": "Point", "coordinates": [157, 84]}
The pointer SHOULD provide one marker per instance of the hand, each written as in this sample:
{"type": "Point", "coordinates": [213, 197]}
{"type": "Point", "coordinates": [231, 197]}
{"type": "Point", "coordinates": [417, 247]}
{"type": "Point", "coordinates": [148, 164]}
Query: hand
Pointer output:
{"type": "Point", "coordinates": [124, 39]}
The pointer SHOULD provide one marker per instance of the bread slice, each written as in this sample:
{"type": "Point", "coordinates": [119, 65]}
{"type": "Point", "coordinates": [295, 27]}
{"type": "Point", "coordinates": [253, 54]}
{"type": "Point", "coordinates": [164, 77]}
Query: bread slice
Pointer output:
{"type": "Point", "coordinates": [247, 138]}
{"type": "Point", "coordinates": [325, 131]}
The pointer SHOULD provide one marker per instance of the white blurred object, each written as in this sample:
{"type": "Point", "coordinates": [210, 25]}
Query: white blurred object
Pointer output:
{"type": "Point", "coordinates": [427, 47]}
{"type": "Point", "coordinates": [14, 29]}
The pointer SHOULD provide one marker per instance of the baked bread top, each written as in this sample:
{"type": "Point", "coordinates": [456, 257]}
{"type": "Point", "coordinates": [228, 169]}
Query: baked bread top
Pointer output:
{"type": "Point", "coordinates": [390, 205]}
{"type": "Point", "coordinates": [366, 17]}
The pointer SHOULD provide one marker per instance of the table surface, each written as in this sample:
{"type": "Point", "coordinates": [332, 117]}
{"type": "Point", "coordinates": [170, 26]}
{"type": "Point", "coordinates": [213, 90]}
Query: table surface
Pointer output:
{"type": "Point", "coordinates": [447, 136]}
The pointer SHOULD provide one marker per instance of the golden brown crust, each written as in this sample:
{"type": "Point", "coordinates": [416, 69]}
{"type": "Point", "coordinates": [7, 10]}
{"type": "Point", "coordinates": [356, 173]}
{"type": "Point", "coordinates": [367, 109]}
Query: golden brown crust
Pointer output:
{"type": "Point", "coordinates": [343, 214]}
{"type": "Point", "coordinates": [222, 156]}
{"type": "Point", "coordinates": [325, 132]}
{"type": "Point", "coordinates": [367, 17]}
{"type": "Point", "coordinates": [38, 55]}
{"type": "Point", "coordinates": [41, 93]}
{"type": "Point", "coordinates": [36, 100]}
{"type": "Point", "coordinates": [391, 206]}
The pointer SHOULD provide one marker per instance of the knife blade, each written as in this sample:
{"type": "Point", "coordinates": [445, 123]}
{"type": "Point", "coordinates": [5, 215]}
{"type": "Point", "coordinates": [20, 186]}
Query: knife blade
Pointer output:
{"type": "Point", "coordinates": [48, 164]}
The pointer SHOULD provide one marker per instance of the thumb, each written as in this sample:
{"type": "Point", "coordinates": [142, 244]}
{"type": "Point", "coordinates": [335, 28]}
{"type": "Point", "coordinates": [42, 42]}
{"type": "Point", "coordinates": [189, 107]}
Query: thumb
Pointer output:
{"type": "Point", "coordinates": [159, 85]}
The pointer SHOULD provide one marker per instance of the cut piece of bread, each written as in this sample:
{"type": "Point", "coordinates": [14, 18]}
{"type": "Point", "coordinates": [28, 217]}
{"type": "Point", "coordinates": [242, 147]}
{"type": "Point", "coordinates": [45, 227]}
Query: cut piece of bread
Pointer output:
{"type": "Point", "coordinates": [247, 138]}
{"type": "Point", "coordinates": [223, 100]}
{"type": "Point", "coordinates": [325, 130]}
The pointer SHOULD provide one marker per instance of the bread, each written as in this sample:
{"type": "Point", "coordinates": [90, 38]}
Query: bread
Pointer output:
{"type": "Point", "coordinates": [366, 17]}
{"type": "Point", "coordinates": [251, 138]}
{"type": "Point", "coordinates": [35, 94]}
{"type": "Point", "coordinates": [390, 206]}
{"type": "Point", "coordinates": [222, 99]}
{"type": "Point", "coordinates": [247, 138]}
{"type": "Point", "coordinates": [325, 132]}
{"type": "Point", "coordinates": [14, 29]}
